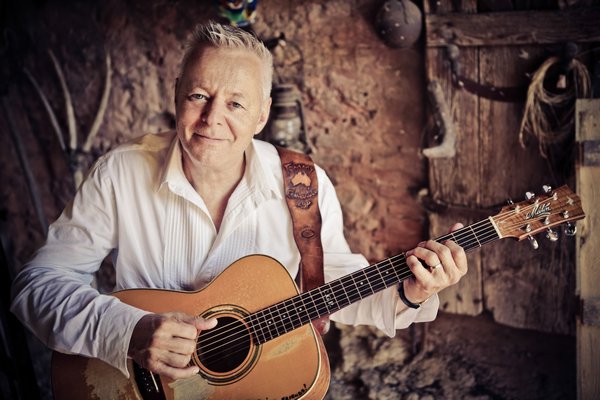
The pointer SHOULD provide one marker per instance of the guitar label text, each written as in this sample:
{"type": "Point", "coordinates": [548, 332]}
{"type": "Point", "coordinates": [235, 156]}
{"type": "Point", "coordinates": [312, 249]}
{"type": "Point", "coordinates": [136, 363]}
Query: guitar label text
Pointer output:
{"type": "Point", "coordinates": [539, 210]}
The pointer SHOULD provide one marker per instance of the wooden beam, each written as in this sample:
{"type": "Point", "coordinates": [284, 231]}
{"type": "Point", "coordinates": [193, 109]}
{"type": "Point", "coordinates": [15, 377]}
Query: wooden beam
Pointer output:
{"type": "Point", "coordinates": [513, 28]}
{"type": "Point", "coordinates": [587, 124]}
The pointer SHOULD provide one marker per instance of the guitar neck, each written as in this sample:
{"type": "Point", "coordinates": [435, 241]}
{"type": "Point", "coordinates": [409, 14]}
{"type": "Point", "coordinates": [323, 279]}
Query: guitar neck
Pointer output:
{"type": "Point", "coordinates": [300, 310]}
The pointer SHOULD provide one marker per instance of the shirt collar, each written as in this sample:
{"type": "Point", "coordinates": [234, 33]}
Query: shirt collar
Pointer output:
{"type": "Point", "coordinates": [257, 177]}
{"type": "Point", "coordinates": [172, 169]}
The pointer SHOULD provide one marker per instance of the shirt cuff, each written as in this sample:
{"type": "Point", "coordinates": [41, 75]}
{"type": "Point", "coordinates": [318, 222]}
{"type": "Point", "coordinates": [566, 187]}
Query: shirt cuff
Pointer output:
{"type": "Point", "coordinates": [426, 313]}
{"type": "Point", "coordinates": [116, 341]}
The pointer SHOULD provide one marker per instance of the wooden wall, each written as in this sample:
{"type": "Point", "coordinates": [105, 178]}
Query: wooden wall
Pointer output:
{"type": "Point", "coordinates": [588, 250]}
{"type": "Point", "coordinates": [501, 50]}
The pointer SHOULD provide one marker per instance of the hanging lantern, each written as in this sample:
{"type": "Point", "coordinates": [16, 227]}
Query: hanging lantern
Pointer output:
{"type": "Point", "coordinates": [286, 127]}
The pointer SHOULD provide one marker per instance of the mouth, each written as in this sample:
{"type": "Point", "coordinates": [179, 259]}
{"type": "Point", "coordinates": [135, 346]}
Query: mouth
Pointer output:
{"type": "Point", "coordinates": [205, 137]}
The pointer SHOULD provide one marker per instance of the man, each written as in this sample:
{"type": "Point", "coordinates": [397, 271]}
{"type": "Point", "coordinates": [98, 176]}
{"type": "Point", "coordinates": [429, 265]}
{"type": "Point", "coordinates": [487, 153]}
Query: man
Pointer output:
{"type": "Point", "coordinates": [175, 209]}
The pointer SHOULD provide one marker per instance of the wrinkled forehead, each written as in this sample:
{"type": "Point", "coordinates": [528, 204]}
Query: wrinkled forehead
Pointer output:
{"type": "Point", "coordinates": [226, 56]}
{"type": "Point", "coordinates": [221, 67]}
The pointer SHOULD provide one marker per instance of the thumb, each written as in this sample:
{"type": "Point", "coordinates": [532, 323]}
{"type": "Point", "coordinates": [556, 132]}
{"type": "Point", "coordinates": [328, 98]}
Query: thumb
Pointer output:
{"type": "Point", "coordinates": [202, 324]}
{"type": "Point", "coordinates": [196, 321]}
{"type": "Point", "coordinates": [456, 226]}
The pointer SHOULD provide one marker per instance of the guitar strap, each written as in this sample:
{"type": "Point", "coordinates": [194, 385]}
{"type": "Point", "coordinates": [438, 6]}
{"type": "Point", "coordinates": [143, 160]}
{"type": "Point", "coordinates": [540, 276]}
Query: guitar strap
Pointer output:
{"type": "Point", "coordinates": [301, 194]}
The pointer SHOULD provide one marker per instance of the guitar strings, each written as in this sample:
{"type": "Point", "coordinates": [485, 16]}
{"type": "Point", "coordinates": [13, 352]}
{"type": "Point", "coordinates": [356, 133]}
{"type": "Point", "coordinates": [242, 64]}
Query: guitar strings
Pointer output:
{"type": "Point", "coordinates": [403, 275]}
{"type": "Point", "coordinates": [491, 235]}
{"type": "Point", "coordinates": [487, 235]}
{"type": "Point", "coordinates": [314, 307]}
{"type": "Point", "coordinates": [235, 346]}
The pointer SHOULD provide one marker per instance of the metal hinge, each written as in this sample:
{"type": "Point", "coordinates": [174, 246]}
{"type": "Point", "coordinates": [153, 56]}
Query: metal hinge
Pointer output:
{"type": "Point", "coordinates": [589, 310]}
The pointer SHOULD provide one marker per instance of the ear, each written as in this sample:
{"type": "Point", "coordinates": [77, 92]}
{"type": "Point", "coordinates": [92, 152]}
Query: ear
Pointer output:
{"type": "Point", "coordinates": [264, 116]}
{"type": "Point", "coordinates": [176, 91]}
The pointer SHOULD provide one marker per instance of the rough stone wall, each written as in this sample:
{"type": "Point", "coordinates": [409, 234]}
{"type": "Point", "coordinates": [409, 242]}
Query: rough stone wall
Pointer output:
{"type": "Point", "coordinates": [362, 102]}
{"type": "Point", "coordinates": [364, 111]}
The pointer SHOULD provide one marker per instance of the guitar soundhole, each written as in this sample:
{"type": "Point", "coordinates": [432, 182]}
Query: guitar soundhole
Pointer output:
{"type": "Point", "coordinates": [225, 347]}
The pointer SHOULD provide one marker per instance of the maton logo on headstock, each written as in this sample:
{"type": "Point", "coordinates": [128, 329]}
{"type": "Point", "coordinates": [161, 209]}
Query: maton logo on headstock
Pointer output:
{"type": "Point", "coordinates": [539, 210]}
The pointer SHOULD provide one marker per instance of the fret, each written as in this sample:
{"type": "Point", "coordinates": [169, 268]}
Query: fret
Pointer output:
{"type": "Point", "coordinates": [362, 285]}
{"type": "Point", "coordinates": [311, 307]}
{"type": "Point", "coordinates": [466, 238]}
{"type": "Point", "coordinates": [475, 235]}
{"type": "Point", "coordinates": [352, 292]}
{"type": "Point", "coordinates": [271, 328]}
{"type": "Point", "coordinates": [297, 311]}
{"type": "Point", "coordinates": [305, 309]}
{"type": "Point", "coordinates": [260, 324]}
{"type": "Point", "coordinates": [329, 299]}
{"type": "Point", "coordinates": [256, 330]}
{"type": "Point", "coordinates": [396, 268]}
{"type": "Point", "coordinates": [387, 273]}
{"type": "Point", "coordinates": [286, 316]}
{"type": "Point", "coordinates": [339, 292]}
{"type": "Point", "coordinates": [383, 282]}
{"type": "Point", "coordinates": [377, 282]}
{"type": "Point", "coordinates": [318, 301]}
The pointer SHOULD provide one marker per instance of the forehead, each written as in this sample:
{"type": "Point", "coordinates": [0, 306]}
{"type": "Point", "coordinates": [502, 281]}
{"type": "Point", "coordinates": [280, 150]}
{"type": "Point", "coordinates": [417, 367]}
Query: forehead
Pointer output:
{"type": "Point", "coordinates": [223, 69]}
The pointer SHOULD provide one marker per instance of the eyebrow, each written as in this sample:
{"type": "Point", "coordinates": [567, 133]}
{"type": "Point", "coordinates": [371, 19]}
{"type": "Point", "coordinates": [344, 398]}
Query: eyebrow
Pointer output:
{"type": "Point", "coordinates": [199, 85]}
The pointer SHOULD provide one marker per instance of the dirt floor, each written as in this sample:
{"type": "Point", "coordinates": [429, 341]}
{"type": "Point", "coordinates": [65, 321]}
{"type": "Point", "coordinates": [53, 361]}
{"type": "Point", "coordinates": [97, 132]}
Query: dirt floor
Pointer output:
{"type": "Point", "coordinates": [463, 358]}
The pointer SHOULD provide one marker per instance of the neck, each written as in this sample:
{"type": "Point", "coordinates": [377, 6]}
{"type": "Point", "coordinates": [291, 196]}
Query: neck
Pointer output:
{"type": "Point", "coordinates": [214, 185]}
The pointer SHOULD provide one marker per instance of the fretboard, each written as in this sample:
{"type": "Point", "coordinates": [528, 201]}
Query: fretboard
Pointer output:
{"type": "Point", "coordinates": [283, 317]}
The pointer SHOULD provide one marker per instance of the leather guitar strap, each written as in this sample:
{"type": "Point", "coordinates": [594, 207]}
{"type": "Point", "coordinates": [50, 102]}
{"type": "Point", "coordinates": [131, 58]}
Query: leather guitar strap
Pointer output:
{"type": "Point", "coordinates": [301, 193]}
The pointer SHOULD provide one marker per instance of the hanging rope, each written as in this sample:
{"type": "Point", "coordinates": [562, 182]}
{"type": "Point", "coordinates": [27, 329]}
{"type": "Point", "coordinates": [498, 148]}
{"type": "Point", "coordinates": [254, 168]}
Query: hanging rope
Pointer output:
{"type": "Point", "coordinates": [550, 116]}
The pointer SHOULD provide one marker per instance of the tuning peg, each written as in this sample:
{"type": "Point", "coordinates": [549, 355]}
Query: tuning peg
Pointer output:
{"type": "Point", "coordinates": [510, 202]}
{"type": "Point", "coordinates": [534, 244]}
{"type": "Point", "coordinates": [551, 235]}
{"type": "Point", "coordinates": [547, 188]}
{"type": "Point", "coordinates": [529, 195]}
{"type": "Point", "coordinates": [570, 229]}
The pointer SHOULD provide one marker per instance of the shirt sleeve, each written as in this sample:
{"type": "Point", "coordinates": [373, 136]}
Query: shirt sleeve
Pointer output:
{"type": "Point", "coordinates": [52, 294]}
{"type": "Point", "coordinates": [383, 309]}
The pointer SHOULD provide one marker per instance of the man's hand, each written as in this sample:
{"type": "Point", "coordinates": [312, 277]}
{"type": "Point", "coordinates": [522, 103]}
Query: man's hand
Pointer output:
{"type": "Point", "coordinates": [435, 267]}
{"type": "Point", "coordinates": [164, 343]}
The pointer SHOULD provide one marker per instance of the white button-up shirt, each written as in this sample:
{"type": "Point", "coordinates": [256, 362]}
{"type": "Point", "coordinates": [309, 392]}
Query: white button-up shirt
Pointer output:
{"type": "Point", "coordinates": [137, 203]}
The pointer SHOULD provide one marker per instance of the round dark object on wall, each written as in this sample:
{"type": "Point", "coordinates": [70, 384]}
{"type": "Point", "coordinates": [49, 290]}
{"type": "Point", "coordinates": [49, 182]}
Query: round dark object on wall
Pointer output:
{"type": "Point", "coordinates": [399, 23]}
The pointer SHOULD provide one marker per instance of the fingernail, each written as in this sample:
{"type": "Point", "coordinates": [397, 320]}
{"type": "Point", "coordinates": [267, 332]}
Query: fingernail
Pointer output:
{"type": "Point", "coordinates": [196, 370]}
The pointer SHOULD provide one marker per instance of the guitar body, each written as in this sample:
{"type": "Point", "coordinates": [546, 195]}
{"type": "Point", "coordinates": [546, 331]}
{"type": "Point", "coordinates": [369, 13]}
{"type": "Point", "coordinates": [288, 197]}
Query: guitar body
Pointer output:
{"type": "Point", "coordinates": [291, 366]}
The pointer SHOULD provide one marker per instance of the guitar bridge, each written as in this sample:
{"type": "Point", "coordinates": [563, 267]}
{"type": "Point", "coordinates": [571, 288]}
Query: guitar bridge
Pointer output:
{"type": "Point", "coordinates": [148, 383]}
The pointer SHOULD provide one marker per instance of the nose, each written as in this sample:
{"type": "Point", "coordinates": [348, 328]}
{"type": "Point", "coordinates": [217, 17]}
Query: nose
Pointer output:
{"type": "Point", "coordinates": [212, 113]}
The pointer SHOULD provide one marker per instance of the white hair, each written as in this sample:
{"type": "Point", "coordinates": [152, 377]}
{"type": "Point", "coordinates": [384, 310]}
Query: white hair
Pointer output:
{"type": "Point", "coordinates": [230, 37]}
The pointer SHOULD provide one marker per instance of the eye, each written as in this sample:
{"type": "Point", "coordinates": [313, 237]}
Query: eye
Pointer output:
{"type": "Point", "coordinates": [235, 104]}
{"type": "Point", "coordinates": [197, 96]}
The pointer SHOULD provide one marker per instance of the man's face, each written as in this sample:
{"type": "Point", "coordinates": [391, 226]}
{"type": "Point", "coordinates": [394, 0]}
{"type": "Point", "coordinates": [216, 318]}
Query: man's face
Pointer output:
{"type": "Point", "coordinates": [219, 106]}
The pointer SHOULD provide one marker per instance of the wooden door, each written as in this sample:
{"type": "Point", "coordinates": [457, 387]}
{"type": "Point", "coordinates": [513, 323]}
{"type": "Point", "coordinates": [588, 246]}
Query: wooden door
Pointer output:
{"type": "Point", "coordinates": [483, 62]}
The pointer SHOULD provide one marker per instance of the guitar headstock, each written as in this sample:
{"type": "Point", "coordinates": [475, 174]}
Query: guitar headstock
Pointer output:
{"type": "Point", "coordinates": [540, 213]}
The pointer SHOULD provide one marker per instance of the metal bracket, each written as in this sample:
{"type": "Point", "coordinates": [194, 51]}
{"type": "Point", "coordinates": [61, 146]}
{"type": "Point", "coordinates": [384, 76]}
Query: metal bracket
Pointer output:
{"type": "Point", "coordinates": [589, 153]}
{"type": "Point", "coordinates": [589, 310]}
{"type": "Point", "coordinates": [515, 94]}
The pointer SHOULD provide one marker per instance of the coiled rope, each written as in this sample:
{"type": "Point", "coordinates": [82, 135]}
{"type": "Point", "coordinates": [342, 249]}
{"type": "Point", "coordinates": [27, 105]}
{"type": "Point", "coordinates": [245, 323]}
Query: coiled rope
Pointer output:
{"type": "Point", "coordinates": [550, 116]}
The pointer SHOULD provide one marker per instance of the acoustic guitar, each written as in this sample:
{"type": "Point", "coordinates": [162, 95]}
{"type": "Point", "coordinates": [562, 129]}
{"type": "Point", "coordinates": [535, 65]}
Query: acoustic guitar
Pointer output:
{"type": "Point", "coordinates": [264, 346]}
